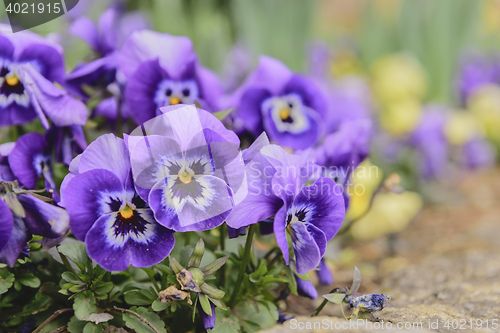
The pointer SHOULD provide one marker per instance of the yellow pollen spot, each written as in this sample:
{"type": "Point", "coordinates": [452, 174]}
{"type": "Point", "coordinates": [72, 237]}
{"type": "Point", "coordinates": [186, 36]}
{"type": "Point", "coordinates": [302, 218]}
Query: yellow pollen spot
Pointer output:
{"type": "Point", "coordinates": [126, 212]}
{"type": "Point", "coordinates": [175, 100]}
{"type": "Point", "coordinates": [185, 177]}
{"type": "Point", "coordinates": [284, 113]}
{"type": "Point", "coordinates": [12, 80]}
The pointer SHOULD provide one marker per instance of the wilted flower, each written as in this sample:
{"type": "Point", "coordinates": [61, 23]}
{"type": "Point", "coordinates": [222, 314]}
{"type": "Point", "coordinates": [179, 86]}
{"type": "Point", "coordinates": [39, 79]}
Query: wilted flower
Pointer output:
{"type": "Point", "coordinates": [187, 166]}
{"type": "Point", "coordinates": [162, 70]}
{"type": "Point", "coordinates": [27, 91]}
{"type": "Point", "coordinates": [288, 106]}
{"type": "Point", "coordinates": [192, 279]}
{"type": "Point", "coordinates": [22, 214]}
{"type": "Point", "coordinates": [107, 214]}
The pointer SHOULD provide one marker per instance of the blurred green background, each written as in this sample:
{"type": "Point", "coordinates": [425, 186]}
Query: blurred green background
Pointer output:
{"type": "Point", "coordinates": [435, 31]}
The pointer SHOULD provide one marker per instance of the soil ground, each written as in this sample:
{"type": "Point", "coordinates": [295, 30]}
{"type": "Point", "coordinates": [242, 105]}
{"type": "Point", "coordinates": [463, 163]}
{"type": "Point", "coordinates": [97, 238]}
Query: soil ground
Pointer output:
{"type": "Point", "coordinates": [443, 268]}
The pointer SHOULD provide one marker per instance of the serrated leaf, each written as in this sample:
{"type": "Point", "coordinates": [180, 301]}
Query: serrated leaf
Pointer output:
{"type": "Point", "coordinates": [335, 298]}
{"type": "Point", "coordinates": [75, 252]}
{"type": "Point", "coordinates": [84, 305]}
{"type": "Point", "coordinates": [139, 297]}
{"type": "Point", "coordinates": [6, 281]}
{"type": "Point", "coordinates": [133, 322]}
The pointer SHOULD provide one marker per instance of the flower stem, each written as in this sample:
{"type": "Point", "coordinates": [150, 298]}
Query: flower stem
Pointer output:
{"type": "Point", "coordinates": [141, 318]}
{"type": "Point", "coordinates": [66, 263]}
{"type": "Point", "coordinates": [244, 264]}
{"type": "Point", "coordinates": [322, 305]}
{"type": "Point", "coordinates": [54, 316]}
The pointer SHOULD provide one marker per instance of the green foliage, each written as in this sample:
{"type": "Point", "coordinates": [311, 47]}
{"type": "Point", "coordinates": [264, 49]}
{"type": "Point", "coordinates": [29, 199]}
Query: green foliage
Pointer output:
{"type": "Point", "coordinates": [137, 322]}
{"type": "Point", "coordinates": [6, 280]}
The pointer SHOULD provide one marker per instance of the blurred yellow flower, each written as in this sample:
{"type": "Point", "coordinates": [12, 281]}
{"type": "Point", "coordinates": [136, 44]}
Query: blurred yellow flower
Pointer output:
{"type": "Point", "coordinates": [401, 117]}
{"type": "Point", "coordinates": [398, 77]}
{"type": "Point", "coordinates": [345, 63]}
{"type": "Point", "coordinates": [491, 16]}
{"type": "Point", "coordinates": [485, 105]}
{"type": "Point", "coordinates": [389, 213]}
{"type": "Point", "coordinates": [461, 127]}
{"type": "Point", "coordinates": [364, 181]}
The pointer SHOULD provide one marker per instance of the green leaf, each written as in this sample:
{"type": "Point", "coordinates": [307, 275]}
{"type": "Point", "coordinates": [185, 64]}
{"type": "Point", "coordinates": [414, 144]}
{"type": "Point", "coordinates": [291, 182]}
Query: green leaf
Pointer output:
{"type": "Point", "coordinates": [205, 304]}
{"type": "Point", "coordinates": [75, 252]}
{"type": "Point", "coordinates": [197, 255]}
{"type": "Point", "coordinates": [214, 266]}
{"type": "Point", "coordinates": [75, 325]}
{"type": "Point", "coordinates": [175, 265]}
{"type": "Point", "coordinates": [140, 297]}
{"type": "Point", "coordinates": [159, 305]}
{"type": "Point", "coordinates": [221, 115]}
{"type": "Point", "coordinates": [85, 304]}
{"type": "Point", "coordinates": [225, 323]}
{"type": "Point", "coordinates": [104, 287]}
{"type": "Point", "coordinates": [135, 323]}
{"type": "Point", "coordinates": [93, 328]}
{"type": "Point", "coordinates": [6, 280]}
{"type": "Point", "coordinates": [335, 298]}
{"type": "Point", "coordinates": [71, 277]}
{"type": "Point", "coordinates": [262, 313]}
{"type": "Point", "coordinates": [292, 284]}
{"type": "Point", "coordinates": [259, 273]}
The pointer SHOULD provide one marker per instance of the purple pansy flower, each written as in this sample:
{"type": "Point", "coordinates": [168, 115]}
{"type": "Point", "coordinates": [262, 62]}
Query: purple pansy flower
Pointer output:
{"type": "Point", "coordinates": [305, 288]}
{"type": "Point", "coordinates": [312, 215]}
{"type": "Point", "coordinates": [31, 158]}
{"type": "Point", "coordinates": [474, 72]}
{"type": "Point", "coordinates": [187, 166]}
{"type": "Point", "coordinates": [27, 73]}
{"type": "Point", "coordinates": [478, 153]}
{"type": "Point", "coordinates": [208, 321]}
{"type": "Point", "coordinates": [101, 74]}
{"type": "Point", "coordinates": [325, 277]}
{"type": "Point", "coordinates": [288, 106]}
{"type": "Point", "coordinates": [5, 170]}
{"type": "Point", "coordinates": [22, 214]}
{"type": "Point", "coordinates": [162, 70]}
{"type": "Point", "coordinates": [430, 142]}
{"type": "Point", "coordinates": [106, 212]}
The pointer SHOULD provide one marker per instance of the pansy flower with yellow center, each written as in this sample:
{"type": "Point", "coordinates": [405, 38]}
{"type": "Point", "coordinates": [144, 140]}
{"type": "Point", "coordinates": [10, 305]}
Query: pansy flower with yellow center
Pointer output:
{"type": "Point", "coordinates": [288, 106]}
{"type": "Point", "coordinates": [28, 69]}
{"type": "Point", "coordinates": [163, 70]}
{"type": "Point", "coordinates": [106, 212]}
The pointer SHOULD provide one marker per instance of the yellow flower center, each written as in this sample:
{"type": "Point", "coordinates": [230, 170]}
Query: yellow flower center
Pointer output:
{"type": "Point", "coordinates": [12, 80]}
{"type": "Point", "coordinates": [174, 100]}
{"type": "Point", "coordinates": [284, 113]}
{"type": "Point", "coordinates": [126, 212]}
{"type": "Point", "coordinates": [186, 175]}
